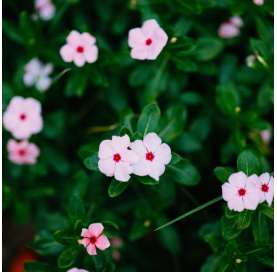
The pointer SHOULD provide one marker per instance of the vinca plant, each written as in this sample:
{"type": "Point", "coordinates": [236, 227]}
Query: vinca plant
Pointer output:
{"type": "Point", "coordinates": [138, 135]}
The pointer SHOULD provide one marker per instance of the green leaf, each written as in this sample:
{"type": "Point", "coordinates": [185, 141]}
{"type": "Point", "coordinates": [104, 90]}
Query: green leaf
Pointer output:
{"type": "Point", "coordinates": [248, 162]}
{"type": "Point", "coordinates": [91, 162]}
{"type": "Point", "coordinates": [147, 180]}
{"type": "Point", "coordinates": [191, 98]}
{"type": "Point", "coordinates": [76, 84]}
{"type": "Point", "coordinates": [184, 173]}
{"type": "Point", "coordinates": [116, 188]}
{"type": "Point", "coordinates": [68, 256]}
{"type": "Point", "coordinates": [76, 208]}
{"type": "Point", "coordinates": [243, 220]}
{"type": "Point", "coordinates": [175, 158]}
{"type": "Point", "coordinates": [208, 48]}
{"type": "Point", "coordinates": [267, 211]}
{"type": "Point", "coordinates": [12, 32]}
{"type": "Point", "coordinates": [229, 228]}
{"type": "Point", "coordinates": [149, 119]}
{"type": "Point", "coordinates": [260, 229]}
{"type": "Point", "coordinates": [223, 173]}
{"type": "Point", "coordinates": [30, 266]}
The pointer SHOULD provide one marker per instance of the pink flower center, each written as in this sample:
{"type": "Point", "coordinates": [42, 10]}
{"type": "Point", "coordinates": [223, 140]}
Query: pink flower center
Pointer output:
{"type": "Point", "coordinates": [80, 49]}
{"type": "Point", "coordinates": [242, 192]}
{"type": "Point", "coordinates": [116, 157]}
{"type": "Point", "coordinates": [265, 188]}
{"type": "Point", "coordinates": [21, 152]}
{"type": "Point", "coordinates": [148, 41]}
{"type": "Point", "coordinates": [93, 239]}
{"type": "Point", "coordinates": [150, 156]}
{"type": "Point", "coordinates": [22, 116]}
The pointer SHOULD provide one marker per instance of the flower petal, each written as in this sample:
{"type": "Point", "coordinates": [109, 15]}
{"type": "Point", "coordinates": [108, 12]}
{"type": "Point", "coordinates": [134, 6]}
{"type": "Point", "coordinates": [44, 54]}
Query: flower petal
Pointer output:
{"type": "Point", "coordinates": [67, 53]}
{"type": "Point", "coordinates": [91, 249]}
{"type": "Point", "coordinates": [163, 154]}
{"type": "Point", "coordinates": [139, 53]}
{"type": "Point", "coordinates": [238, 179]}
{"type": "Point", "coordinates": [122, 171]}
{"type": "Point", "coordinates": [91, 54]}
{"type": "Point", "coordinates": [102, 242]}
{"type": "Point", "coordinates": [105, 149]}
{"type": "Point", "coordinates": [156, 170]}
{"type": "Point", "coordinates": [96, 229]}
{"type": "Point", "coordinates": [136, 38]}
{"type": "Point", "coordinates": [107, 167]}
{"type": "Point", "coordinates": [152, 141]}
{"type": "Point", "coordinates": [73, 38]}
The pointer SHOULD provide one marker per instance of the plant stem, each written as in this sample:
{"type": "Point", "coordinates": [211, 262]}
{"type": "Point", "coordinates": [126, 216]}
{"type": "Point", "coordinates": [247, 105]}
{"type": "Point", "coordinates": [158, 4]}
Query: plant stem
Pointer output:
{"type": "Point", "coordinates": [197, 209]}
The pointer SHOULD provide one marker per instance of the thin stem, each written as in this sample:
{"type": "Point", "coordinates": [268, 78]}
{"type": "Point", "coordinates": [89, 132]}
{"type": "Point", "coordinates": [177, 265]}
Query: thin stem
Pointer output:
{"type": "Point", "coordinates": [56, 78]}
{"type": "Point", "coordinates": [197, 209]}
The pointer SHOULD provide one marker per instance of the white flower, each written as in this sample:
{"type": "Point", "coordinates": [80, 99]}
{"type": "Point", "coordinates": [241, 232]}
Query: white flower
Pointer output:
{"type": "Point", "coordinates": [115, 158]}
{"type": "Point", "coordinates": [148, 41]}
{"type": "Point", "coordinates": [241, 192]}
{"type": "Point", "coordinates": [45, 9]}
{"type": "Point", "coordinates": [265, 186]}
{"type": "Point", "coordinates": [37, 74]}
{"type": "Point", "coordinates": [153, 156]}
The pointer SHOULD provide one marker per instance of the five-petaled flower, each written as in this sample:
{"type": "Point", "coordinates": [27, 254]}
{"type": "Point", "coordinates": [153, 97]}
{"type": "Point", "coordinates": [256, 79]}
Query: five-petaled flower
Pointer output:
{"type": "Point", "coordinates": [230, 28]}
{"type": "Point", "coordinates": [241, 192]}
{"type": "Point", "coordinates": [45, 9]}
{"type": "Point", "coordinates": [80, 48]}
{"type": "Point", "coordinates": [93, 238]}
{"type": "Point", "coordinates": [153, 156]}
{"type": "Point", "coordinates": [115, 158]}
{"type": "Point", "coordinates": [22, 152]}
{"type": "Point", "coordinates": [37, 74]}
{"type": "Point", "coordinates": [23, 117]}
{"type": "Point", "coordinates": [148, 41]}
{"type": "Point", "coordinates": [265, 187]}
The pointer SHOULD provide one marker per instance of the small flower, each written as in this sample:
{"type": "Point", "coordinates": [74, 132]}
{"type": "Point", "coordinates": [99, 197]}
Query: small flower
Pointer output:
{"type": "Point", "coordinates": [22, 152]}
{"type": "Point", "coordinates": [23, 117]}
{"type": "Point", "coordinates": [93, 238]}
{"type": "Point", "coordinates": [115, 158]}
{"type": "Point", "coordinates": [148, 41]}
{"type": "Point", "coordinates": [75, 269]}
{"type": "Point", "coordinates": [258, 2]}
{"type": "Point", "coordinates": [230, 28]}
{"type": "Point", "coordinates": [80, 48]}
{"type": "Point", "coordinates": [153, 156]}
{"type": "Point", "coordinates": [36, 73]}
{"type": "Point", "coordinates": [266, 188]}
{"type": "Point", "coordinates": [45, 9]}
{"type": "Point", "coordinates": [241, 192]}
{"type": "Point", "coordinates": [266, 135]}
{"type": "Point", "coordinates": [236, 21]}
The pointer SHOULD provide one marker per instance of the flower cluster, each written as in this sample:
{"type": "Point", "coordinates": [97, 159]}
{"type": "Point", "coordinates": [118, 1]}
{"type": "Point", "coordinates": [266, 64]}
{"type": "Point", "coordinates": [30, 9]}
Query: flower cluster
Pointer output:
{"type": "Point", "coordinates": [120, 158]}
{"type": "Point", "coordinates": [37, 74]}
{"type": "Point", "coordinates": [230, 28]}
{"type": "Point", "coordinates": [245, 193]}
{"type": "Point", "coordinates": [23, 118]}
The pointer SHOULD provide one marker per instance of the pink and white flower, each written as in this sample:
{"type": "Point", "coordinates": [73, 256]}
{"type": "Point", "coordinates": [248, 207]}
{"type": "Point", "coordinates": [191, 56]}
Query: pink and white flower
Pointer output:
{"type": "Point", "coordinates": [23, 117]}
{"type": "Point", "coordinates": [37, 74]}
{"type": "Point", "coordinates": [153, 156]}
{"type": "Point", "coordinates": [241, 192]}
{"type": "Point", "coordinates": [75, 269]}
{"type": "Point", "coordinates": [80, 48]}
{"type": "Point", "coordinates": [93, 238]}
{"type": "Point", "coordinates": [45, 9]}
{"type": "Point", "coordinates": [230, 28]}
{"type": "Point", "coordinates": [22, 152]}
{"type": "Point", "coordinates": [148, 41]}
{"type": "Point", "coordinates": [258, 2]}
{"type": "Point", "coordinates": [115, 158]}
{"type": "Point", "coordinates": [266, 188]}
{"type": "Point", "coordinates": [266, 135]}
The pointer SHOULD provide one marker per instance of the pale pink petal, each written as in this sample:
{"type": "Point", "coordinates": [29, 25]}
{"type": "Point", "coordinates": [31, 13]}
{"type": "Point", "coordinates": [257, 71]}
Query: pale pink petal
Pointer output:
{"type": "Point", "coordinates": [105, 149]}
{"type": "Point", "coordinates": [251, 200]}
{"type": "Point", "coordinates": [163, 154]}
{"type": "Point", "coordinates": [238, 179]}
{"type": "Point", "coordinates": [236, 21]}
{"type": "Point", "coordinates": [139, 53]}
{"type": "Point", "coordinates": [91, 249]}
{"type": "Point", "coordinates": [85, 233]}
{"type": "Point", "coordinates": [107, 166]}
{"type": "Point", "coordinates": [67, 53]}
{"type": "Point", "coordinates": [156, 170]}
{"type": "Point", "coordinates": [11, 145]}
{"type": "Point", "coordinates": [138, 147]}
{"type": "Point", "coordinates": [149, 27]}
{"type": "Point", "coordinates": [79, 60]}
{"type": "Point", "coordinates": [84, 242]}
{"type": "Point", "coordinates": [236, 204]}
{"type": "Point", "coordinates": [73, 38]}
{"type": "Point", "coordinates": [120, 143]}
{"type": "Point", "coordinates": [258, 2]}
{"type": "Point", "coordinates": [88, 38]}
{"type": "Point", "coordinates": [129, 156]}
{"type": "Point", "coordinates": [152, 141]}
{"type": "Point", "coordinates": [142, 168]}
{"type": "Point", "coordinates": [47, 12]}
{"type": "Point", "coordinates": [32, 105]}
{"type": "Point", "coordinates": [154, 51]}
{"type": "Point", "coordinates": [122, 171]}
{"type": "Point", "coordinates": [136, 38]}
{"type": "Point", "coordinates": [91, 54]}
{"type": "Point", "coordinates": [102, 242]}
{"type": "Point", "coordinates": [96, 229]}
{"type": "Point", "coordinates": [228, 191]}
{"type": "Point", "coordinates": [29, 79]}
{"type": "Point", "coordinates": [43, 83]}
{"type": "Point", "coordinates": [228, 30]}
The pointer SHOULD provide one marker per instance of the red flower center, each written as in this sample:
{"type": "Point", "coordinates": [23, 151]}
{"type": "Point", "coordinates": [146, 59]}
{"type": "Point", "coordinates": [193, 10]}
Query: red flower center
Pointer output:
{"type": "Point", "coordinates": [21, 152]}
{"type": "Point", "coordinates": [150, 156]}
{"type": "Point", "coordinates": [22, 116]}
{"type": "Point", "coordinates": [148, 41]}
{"type": "Point", "coordinates": [242, 192]}
{"type": "Point", "coordinates": [116, 157]}
{"type": "Point", "coordinates": [93, 239]}
{"type": "Point", "coordinates": [80, 49]}
{"type": "Point", "coordinates": [265, 188]}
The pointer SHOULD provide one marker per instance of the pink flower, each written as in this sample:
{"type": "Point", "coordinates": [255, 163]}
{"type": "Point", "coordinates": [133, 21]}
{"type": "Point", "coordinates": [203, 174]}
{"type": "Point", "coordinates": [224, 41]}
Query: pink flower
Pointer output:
{"type": "Point", "coordinates": [116, 242]}
{"type": "Point", "coordinates": [115, 158]}
{"type": "Point", "coordinates": [148, 41]}
{"type": "Point", "coordinates": [77, 270]}
{"type": "Point", "coordinates": [22, 152]}
{"type": "Point", "coordinates": [153, 156]}
{"type": "Point", "coordinates": [266, 135]}
{"type": "Point", "coordinates": [236, 21]}
{"type": "Point", "coordinates": [80, 48]}
{"type": "Point", "coordinates": [228, 30]}
{"type": "Point", "coordinates": [23, 117]}
{"type": "Point", "coordinates": [45, 9]}
{"type": "Point", "coordinates": [241, 192]}
{"type": "Point", "coordinates": [258, 2]}
{"type": "Point", "coordinates": [266, 188]}
{"type": "Point", "coordinates": [93, 238]}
